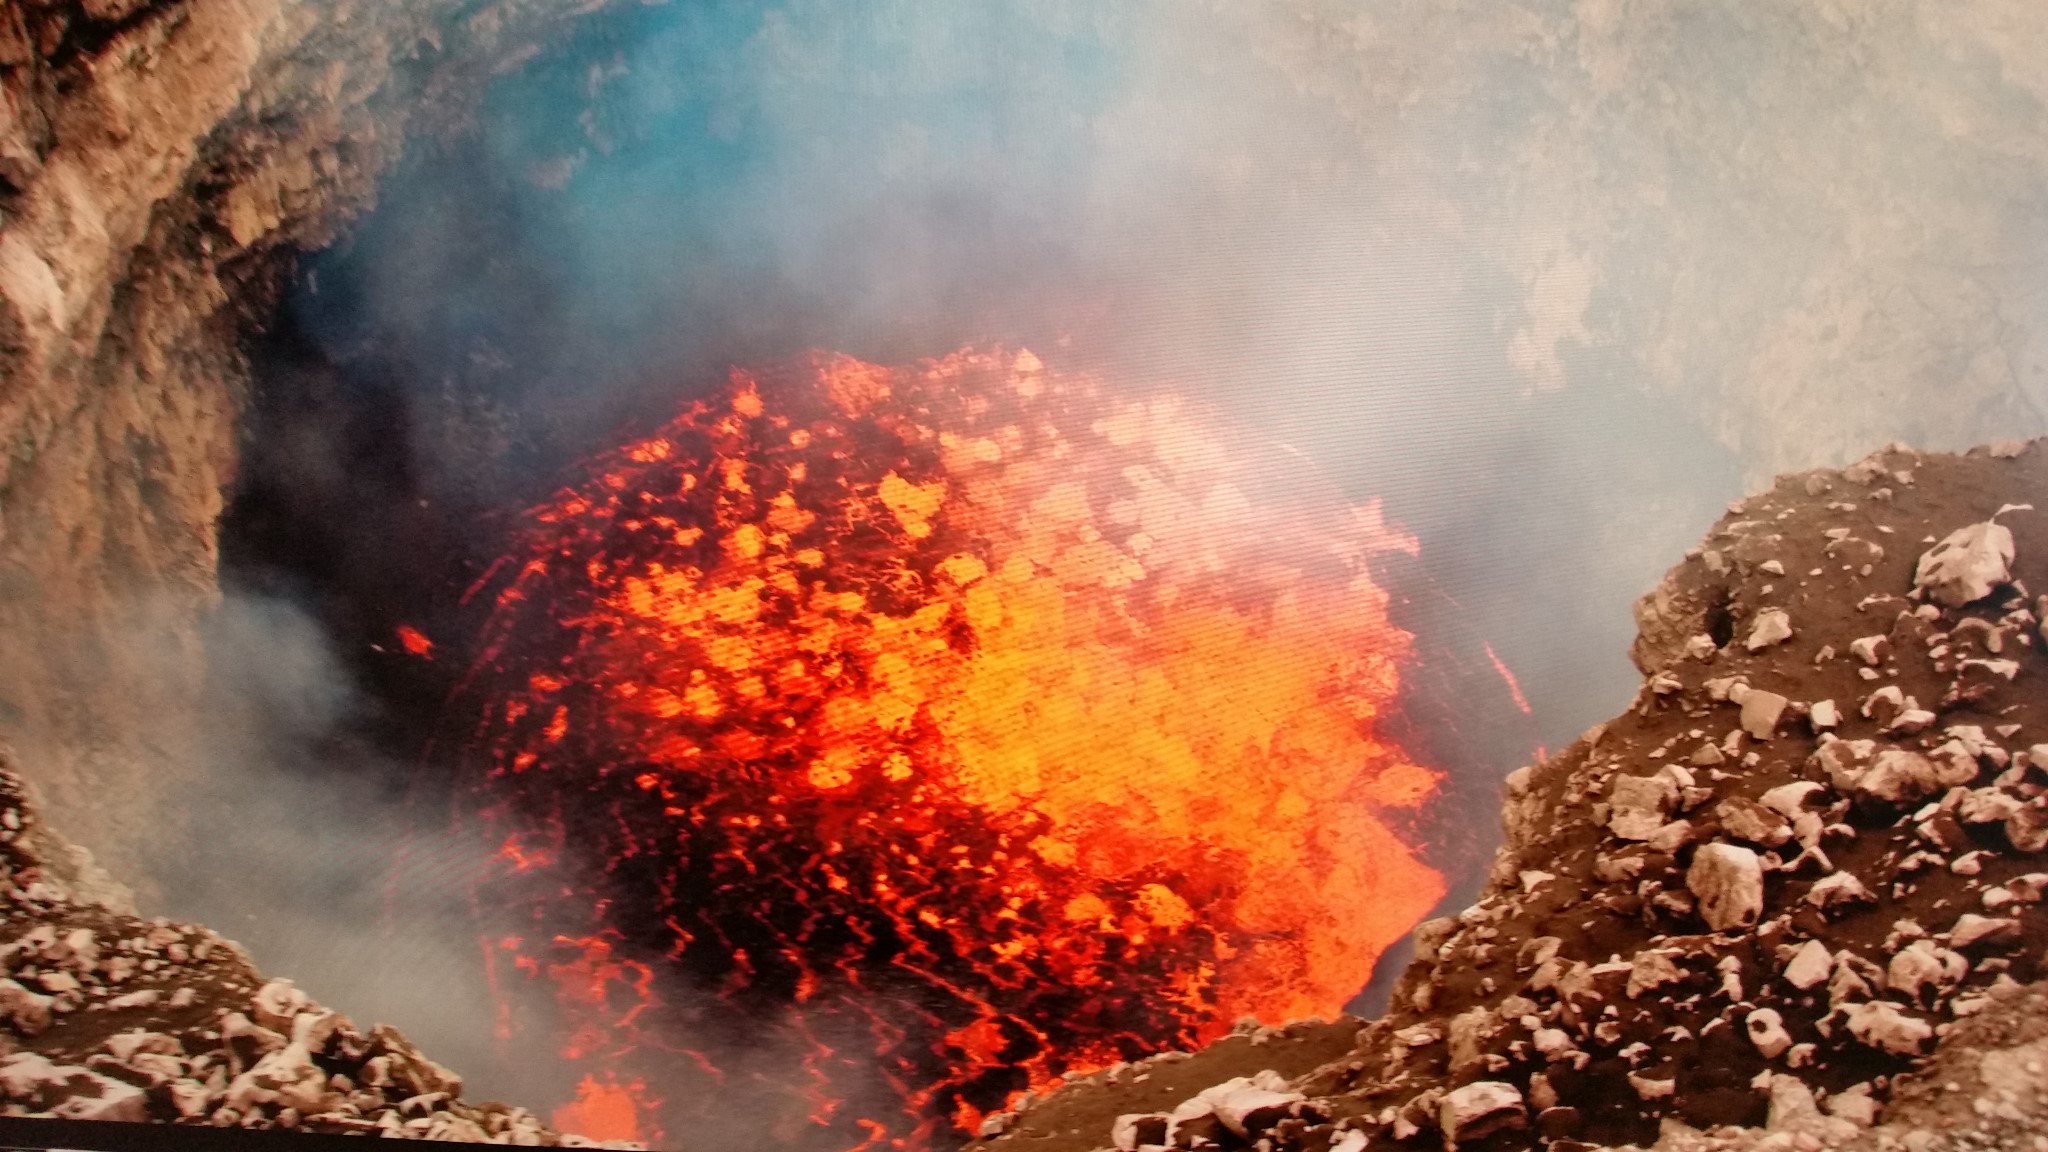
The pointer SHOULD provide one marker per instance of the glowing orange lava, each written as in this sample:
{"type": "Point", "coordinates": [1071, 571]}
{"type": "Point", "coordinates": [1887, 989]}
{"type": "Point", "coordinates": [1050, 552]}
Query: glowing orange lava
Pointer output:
{"type": "Point", "coordinates": [882, 743]}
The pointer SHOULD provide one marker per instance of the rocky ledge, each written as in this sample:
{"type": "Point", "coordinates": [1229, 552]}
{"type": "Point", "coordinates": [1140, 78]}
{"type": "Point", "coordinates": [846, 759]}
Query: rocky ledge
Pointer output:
{"type": "Point", "coordinates": [1791, 899]}
{"type": "Point", "coordinates": [106, 1016]}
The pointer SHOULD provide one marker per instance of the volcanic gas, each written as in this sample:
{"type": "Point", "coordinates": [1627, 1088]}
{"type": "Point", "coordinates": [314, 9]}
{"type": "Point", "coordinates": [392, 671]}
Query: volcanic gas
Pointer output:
{"type": "Point", "coordinates": [961, 724]}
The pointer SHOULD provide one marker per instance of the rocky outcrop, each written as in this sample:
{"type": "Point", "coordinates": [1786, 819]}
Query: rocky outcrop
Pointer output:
{"type": "Point", "coordinates": [157, 159]}
{"type": "Point", "coordinates": [105, 1016]}
{"type": "Point", "coordinates": [1803, 874]}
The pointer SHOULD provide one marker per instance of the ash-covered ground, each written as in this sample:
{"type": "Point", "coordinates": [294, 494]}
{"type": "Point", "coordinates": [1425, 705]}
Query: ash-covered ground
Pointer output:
{"type": "Point", "coordinates": [1789, 900]}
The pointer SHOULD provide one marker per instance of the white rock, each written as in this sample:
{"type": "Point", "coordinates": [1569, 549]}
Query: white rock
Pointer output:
{"type": "Point", "coordinates": [1923, 966]}
{"type": "Point", "coordinates": [1552, 1042]}
{"type": "Point", "coordinates": [1884, 704]}
{"type": "Point", "coordinates": [2030, 888]}
{"type": "Point", "coordinates": [1881, 1024]}
{"type": "Point", "coordinates": [1810, 966]}
{"type": "Point", "coordinates": [1967, 565]}
{"type": "Point", "coordinates": [1640, 805]}
{"type": "Point", "coordinates": [1912, 722]}
{"type": "Point", "coordinates": [1251, 1108]}
{"type": "Point", "coordinates": [1650, 971]}
{"type": "Point", "coordinates": [1994, 931]}
{"type": "Point", "coordinates": [1193, 1108]}
{"type": "Point", "coordinates": [1747, 819]}
{"type": "Point", "coordinates": [1855, 1105]}
{"type": "Point", "coordinates": [1767, 1031]}
{"type": "Point", "coordinates": [276, 1003]}
{"type": "Point", "coordinates": [1844, 761]}
{"type": "Point", "coordinates": [287, 1078]}
{"type": "Point", "coordinates": [1988, 806]}
{"type": "Point", "coordinates": [2028, 827]}
{"type": "Point", "coordinates": [1670, 837]}
{"type": "Point", "coordinates": [1837, 891]}
{"type": "Point", "coordinates": [126, 1046]}
{"type": "Point", "coordinates": [1761, 712]}
{"type": "Point", "coordinates": [1772, 626]}
{"type": "Point", "coordinates": [1129, 1130]}
{"type": "Point", "coordinates": [2001, 668]}
{"type": "Point", "coordinates": [1792, 1106]}
{"type": "Point", "coordinates": [1789, 800]}
{"type": "Point", "coordinates": [1898, 775]}
{"type": "Point", "coordinates": [1723, 688]}
{"type": "Point", "coordinates": [1871, 649]}
{"type": "Point", "coordinates": [1823, 715]}
{"type": "Point", "coordinates": [1728, 882]}
{"type": "Point", "coordinates": [1480, 1109]}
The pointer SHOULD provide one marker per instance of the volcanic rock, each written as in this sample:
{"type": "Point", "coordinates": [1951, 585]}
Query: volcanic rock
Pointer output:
{"type": "Point", "coordinates": [1898, 775]}
{"type": "Point", "coordinates": [1967, 565]}
{"type": "Point", "coordinates": [1480, 1109]}
{"type": "Point", "coordinates": [1772, 626]}
{"type": "Point", "coordinates": [1728, 882]}
{"type": "Point", "coordinates": [1882, 1024]}
{"type": "Point", "coordinates": [1810, 966]}
{"type": "Point", "coordinates": [1990, 931]}
{"type": "Point", "coordinates": [1761, 712]}
{"type": "Point", "coordinates": [1746, 819]}
{"type": "Point", "coordinates": [1767, 1031]}
{"type": "Point", "coordinates": [1640, 805]}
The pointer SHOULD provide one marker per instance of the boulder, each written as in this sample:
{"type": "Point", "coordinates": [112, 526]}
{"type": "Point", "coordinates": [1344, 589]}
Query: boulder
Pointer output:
{"type": "Point", "coordinates": [1967, 565]}
{"type": "Point", "coordinates": [1728, 883]}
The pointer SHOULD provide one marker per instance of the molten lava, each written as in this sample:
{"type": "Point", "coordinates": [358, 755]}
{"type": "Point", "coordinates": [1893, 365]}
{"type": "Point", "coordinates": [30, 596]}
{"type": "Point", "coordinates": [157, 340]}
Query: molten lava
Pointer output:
{"type": "Point", "coordinates": [872, 745]}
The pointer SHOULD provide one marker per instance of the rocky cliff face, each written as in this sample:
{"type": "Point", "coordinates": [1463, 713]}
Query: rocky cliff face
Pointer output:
{"type": "Point", "coordinates": [156, 159]}
{"type": "Point", "coordinates": [1811, 857]}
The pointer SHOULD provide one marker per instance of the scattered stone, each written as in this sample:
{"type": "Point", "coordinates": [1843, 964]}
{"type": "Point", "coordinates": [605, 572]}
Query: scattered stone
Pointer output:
{"type": "Point", "coordinates": [1640, 805]}
{"type": "Point", "coordinates": [1761, 712]}
{"type": "Point", "coordinates": [2027, 828]}
{"type": "Point", "coordinates": [1897, 775]}
{"type": "Point", "coordinates": [1881, 1024]}
{"type": "Point", "coordinates": [1746, 819]}
{"type": "Point", "coordinates": [1841, 890]}
{"type": "Point", "coordinates": [1922, 967]}
{"type": "Point", "coordinates": [1767, 1032]}
{"type": "Point", "coordinates": [1968, 565]}
{"type": "Point", "coordinates": [1809, 967]}
{"type": "Point", "coordinates": [1728, 882]}
{"type": "Point", "coordinates": [1972, 930]}
{"type": "Point", "coordinates": [1480, 1109]}
{"type": "Point", "coordinates": [1772, 626]}
{"type": "Point", "coordinates": [1872, 650]}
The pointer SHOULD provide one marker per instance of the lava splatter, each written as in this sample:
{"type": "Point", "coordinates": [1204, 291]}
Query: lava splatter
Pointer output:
{"type": "Point", "coordinates": [952, 727]}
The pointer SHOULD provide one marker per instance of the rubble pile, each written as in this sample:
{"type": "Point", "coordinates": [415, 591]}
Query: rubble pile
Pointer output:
{"type": "Point", "coordinates": [106, 1016]}
{"type": "Point", "coordinates": [1808, 859]}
